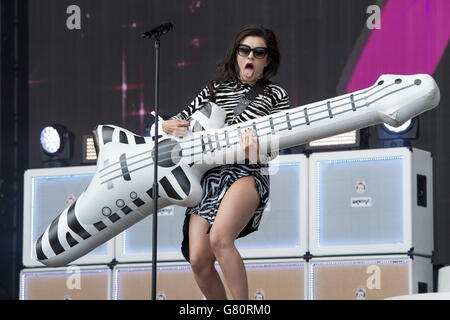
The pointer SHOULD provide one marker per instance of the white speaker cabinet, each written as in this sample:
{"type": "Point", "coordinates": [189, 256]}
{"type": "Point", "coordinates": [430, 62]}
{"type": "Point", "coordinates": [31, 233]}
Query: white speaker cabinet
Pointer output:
{"type": "Point", "coordinates": [175, 281]}
{"type": "Point", "coordinates": [368, 277]}
{"type": "Point", "coordinates": [376, 201]}
{"type": "Point", "coordinates": [47, 192]}
{"type": "Point", "coordinates": [283, 279]}
{"type": "Point", "coordinates": [282, 230]}
{"type": "Point", "coordinates": [68, 283]}
{"type": "Point", "coordinates": [275, 279]}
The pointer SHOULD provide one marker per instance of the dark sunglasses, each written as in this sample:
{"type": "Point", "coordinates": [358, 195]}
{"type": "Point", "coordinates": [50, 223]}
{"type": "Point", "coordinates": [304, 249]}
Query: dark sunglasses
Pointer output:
{"type": "Point", "coordinates": [259, 52]}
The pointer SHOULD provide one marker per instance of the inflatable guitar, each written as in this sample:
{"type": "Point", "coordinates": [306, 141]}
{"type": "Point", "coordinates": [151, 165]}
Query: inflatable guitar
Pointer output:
{"type": "Point", "coordinates": [119, 196]}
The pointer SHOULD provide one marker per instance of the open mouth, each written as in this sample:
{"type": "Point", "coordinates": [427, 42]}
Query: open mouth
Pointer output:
{"type": "Point", "coordinates": [249, 70]}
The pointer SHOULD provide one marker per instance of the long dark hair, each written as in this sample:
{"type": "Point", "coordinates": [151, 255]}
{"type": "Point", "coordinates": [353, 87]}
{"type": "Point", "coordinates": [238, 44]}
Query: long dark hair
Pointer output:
{"type": "Point", "coordinates": [228, 69]}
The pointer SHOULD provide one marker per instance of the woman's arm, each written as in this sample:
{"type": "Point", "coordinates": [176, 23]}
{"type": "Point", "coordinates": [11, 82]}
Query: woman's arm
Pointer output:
{"type": "Point", "coordinates": [199, 100]}
{"type": "Point", "coordinates": [179, 124]}
{"type": "Point", "coordinates": [281, 102]}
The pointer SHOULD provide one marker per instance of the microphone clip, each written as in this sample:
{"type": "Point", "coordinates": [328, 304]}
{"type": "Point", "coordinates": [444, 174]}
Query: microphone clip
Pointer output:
{"type": "Point", "coordinates": [158, 31]}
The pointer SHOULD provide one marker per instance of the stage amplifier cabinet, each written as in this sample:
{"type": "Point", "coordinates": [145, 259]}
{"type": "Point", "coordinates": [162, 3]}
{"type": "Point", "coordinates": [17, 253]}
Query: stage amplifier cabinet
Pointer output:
{"type": "Point", "coordinates": [376, 201]}
{"type": "Point", "coordinates": [273, 279]}
{"type": "Point", "coordinates": [368, 277]}
{"type": "Point", "coordinates": [268, 279]}
{"type": "Point", "coordinates": [68, 283]}
{"type": "Point", "coordinates": [47, 192]}
{"type": "Point", "coordinates": [175, 281]}
{"type": "Point", "coordinates": [282, 231]}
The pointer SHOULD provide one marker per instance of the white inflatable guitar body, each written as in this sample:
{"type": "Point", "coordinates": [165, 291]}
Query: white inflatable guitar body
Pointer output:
{"type": "Point", "coordinates": [120, 192]}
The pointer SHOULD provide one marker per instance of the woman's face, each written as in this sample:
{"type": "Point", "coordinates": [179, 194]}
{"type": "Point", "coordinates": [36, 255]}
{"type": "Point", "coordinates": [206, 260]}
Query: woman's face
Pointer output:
{"type": "Point", "coordinates": [250, 67]}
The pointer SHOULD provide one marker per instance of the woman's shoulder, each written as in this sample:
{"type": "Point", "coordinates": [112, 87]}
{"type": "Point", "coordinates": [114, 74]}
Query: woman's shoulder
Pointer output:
{"type": "Point", "coordinates": [277, 90]}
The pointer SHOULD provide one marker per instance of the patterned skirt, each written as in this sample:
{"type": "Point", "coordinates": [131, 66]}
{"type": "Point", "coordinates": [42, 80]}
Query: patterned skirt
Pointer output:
{"type": "Point", "coordinates": [215, 184]}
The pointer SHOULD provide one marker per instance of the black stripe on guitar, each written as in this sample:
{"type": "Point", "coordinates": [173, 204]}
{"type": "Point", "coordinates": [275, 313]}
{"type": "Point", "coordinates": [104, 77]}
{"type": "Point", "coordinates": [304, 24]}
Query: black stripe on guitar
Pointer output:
{"type": "Point", "coordinates": [170, 191]}
{"type": "Point", "coordinates": [39, 252]}
{"type": "Point", "coordinates": [74, 224]}
{"type": "Point", "coordinates": [53, 237]}
{"type": "Point", "coordinates": [124, 167]}
{"type": "Point", "coordinates": [182, 179]}
{"type": "Point", "coordinates": [70, 240]}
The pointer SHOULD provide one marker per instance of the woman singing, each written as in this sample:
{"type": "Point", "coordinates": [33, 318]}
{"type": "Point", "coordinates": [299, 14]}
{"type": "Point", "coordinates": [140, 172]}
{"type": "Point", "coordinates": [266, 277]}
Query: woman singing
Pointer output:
{"type": "Point", "coordinates": [234, 196]}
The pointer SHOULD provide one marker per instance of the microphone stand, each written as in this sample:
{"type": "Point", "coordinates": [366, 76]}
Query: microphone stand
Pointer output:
{"type": "Point", "coordinates": [155, 175]}
{"type": "Point", "coordinates": [157, 32]}
{"type": "Point", "coordinates": [155, 190]}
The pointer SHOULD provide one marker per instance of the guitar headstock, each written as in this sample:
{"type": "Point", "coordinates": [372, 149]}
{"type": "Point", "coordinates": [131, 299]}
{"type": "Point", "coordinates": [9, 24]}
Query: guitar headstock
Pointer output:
{"type": "Point", "coordinates": [399, 98]}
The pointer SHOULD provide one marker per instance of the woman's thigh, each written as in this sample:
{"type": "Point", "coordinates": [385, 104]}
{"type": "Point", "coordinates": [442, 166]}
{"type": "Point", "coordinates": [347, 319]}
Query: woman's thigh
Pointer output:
{"type": "Point", "coordinates": [200, 252]}
{"type": "Point", "coordinates": [236, 209]}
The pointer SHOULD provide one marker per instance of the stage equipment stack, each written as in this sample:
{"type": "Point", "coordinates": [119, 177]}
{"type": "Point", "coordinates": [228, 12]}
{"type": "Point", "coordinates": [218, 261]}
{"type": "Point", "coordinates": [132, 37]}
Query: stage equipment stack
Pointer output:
{"type": "Point", "coordinates": [371, 223]}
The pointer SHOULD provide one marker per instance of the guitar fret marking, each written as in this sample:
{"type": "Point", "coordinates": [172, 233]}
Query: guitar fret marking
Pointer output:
{"type": "Point", "coordinates": [329, 109]}
{"type": "Point", "coordinates": [226, 138]}
{"type": "Point", "coordinates": [254, 129]}
{"type": "Point", "coordinates": [210, 143]}
{"type": "Point", "coordinates": [271, 125]}
{"type": "Point", "coordinates": [305, 111]}
{"type": "Point", "coordinates": [352, 100]}
{"type": "Point", "coordinates": [288, 121]}
{"type": "Point", "coordinates": [217, 141]}
{"type": "Point", "coordinates": [203, 144]}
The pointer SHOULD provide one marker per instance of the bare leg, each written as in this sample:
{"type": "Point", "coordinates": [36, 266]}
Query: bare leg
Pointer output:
{"type": "Point", "coordinates": [235, 211]}
{"type": "Point", "coordinates": [202, 260]}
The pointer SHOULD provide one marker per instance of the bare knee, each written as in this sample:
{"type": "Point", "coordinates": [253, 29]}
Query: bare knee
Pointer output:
{"type": "Point", "coordinates": [220, 243]}
{"type": "Point", "coordinates": [201, 264]}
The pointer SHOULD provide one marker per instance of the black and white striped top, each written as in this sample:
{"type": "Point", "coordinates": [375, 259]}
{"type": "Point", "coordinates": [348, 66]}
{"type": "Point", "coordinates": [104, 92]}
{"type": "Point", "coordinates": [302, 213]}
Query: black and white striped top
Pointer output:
{"type": "Point", "coordinates": [271, 100]}
{"type": "Point", "coordinates": [217, 181]}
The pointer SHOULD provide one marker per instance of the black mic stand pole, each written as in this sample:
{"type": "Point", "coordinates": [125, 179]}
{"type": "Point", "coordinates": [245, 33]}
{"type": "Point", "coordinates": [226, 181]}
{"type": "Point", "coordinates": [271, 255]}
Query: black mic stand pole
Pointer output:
{"type": "Point", "coordinates": [155, 190]}
{"type": "Point", "coordinates": [157, 33]}
{"type": "Point", "coordinates": [155, 175]}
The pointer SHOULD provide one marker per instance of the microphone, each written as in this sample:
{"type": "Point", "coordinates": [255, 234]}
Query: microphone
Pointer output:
{"type": "Point", "coordinates": [158, 31]}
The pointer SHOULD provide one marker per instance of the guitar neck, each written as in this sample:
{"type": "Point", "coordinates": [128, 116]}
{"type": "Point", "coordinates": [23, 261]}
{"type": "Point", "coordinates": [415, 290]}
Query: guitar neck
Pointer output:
{"type": "Point", "coordinates": [393, 99]}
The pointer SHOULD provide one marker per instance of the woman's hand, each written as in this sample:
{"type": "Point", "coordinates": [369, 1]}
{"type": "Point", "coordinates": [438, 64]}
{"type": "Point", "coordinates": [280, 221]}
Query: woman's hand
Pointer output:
{"type": "Point", "coordinates": [250, 144]}
{"type": "Point", "coordinates": [176, 127]}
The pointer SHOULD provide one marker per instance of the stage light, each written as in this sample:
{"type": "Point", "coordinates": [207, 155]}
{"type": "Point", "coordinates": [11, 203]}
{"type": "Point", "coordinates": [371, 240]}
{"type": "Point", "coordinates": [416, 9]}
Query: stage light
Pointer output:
{"type": "Point", "coordinates": [356, 139]}
{"type": "Point", "coordinates": [89, 151]}
{"type": "Point", "coordinates": [50, 140]}
{"type": "Point", "coordinates": [399, 129]}
{"type": "Point", "coordinates": [399, 136]}
{"type": "Point", "coordinates": [56, 143]}
{"type": "Point", "coordinates": [344, 139]}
